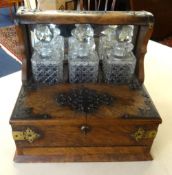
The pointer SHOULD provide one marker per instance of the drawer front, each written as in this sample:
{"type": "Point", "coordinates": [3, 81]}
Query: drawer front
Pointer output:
{"type": "Point", "coordinates": [83, 135]}
{"type": "Point", "coordinates": [121, 135]}
{"type": "Point", "coordinates": [50, 135]}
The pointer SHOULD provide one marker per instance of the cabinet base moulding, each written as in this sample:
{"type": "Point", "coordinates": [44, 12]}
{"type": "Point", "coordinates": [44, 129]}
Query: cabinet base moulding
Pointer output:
{"type": "Point", "coordinates": [83, 154]}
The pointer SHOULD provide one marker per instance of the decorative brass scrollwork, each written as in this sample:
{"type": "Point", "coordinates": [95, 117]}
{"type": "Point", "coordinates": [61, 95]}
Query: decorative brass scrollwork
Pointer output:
{"type": "Point", "coordinates": [28, 135]}
{"type": "Point", "coordinates": [143, 134]}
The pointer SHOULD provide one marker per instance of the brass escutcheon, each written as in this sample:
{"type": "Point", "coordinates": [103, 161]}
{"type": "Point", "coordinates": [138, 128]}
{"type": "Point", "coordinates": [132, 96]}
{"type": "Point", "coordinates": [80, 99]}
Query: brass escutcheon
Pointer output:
{"type": "Point", "coordinates": [143, 134]}
{"type": "Point", "coordinates": [28, 135]}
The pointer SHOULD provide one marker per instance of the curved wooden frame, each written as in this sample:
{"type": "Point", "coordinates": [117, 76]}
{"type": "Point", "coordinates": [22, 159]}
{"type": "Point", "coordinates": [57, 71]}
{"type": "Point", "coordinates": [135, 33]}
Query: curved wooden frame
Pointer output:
{"type": "Point", "coordinates": [144, 20]}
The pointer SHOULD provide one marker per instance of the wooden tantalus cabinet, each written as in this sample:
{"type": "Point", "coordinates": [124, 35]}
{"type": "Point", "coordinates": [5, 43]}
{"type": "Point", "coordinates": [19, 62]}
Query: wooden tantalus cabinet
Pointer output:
{"type": "Point", "coordinates": [45, 131]}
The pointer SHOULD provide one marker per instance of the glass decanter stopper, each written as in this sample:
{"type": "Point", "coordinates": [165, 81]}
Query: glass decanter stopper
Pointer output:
{"type": "Point", "coordinates": [125, 33]}
{"type": "Point", "coordinates": [43, 33]}
{"type": "Point", "coordinates": [82, 40]}
{"type": "Point", "coordinates": [48, 40]}
{"type": "Point", "coordinates": [118, 38]}
{"type": "Point", "coordinates": [107, 40]}
{"type": "Point", "coordinates": [83, 59]}
{"type": "Point", "coordinates": [123, 45]}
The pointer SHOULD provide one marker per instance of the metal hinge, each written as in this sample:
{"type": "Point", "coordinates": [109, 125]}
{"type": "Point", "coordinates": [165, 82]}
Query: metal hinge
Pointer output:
{"type": "Point", "coordinates": [143, 134]}
{"type": "Point", "coordinates": [28, 135]}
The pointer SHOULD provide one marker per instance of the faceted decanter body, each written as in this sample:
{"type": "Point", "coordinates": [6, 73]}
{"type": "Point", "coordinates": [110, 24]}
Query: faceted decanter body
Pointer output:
{"type": "Point", "coordinates": [82, 57]}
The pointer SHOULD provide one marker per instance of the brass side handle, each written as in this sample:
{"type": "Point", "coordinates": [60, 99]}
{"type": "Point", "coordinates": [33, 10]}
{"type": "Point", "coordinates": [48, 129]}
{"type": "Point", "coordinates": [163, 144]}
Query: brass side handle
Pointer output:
{"type": "Point", "coordinates": [28, 135]}
{"type": "Point", "coordinates": [143, 134]}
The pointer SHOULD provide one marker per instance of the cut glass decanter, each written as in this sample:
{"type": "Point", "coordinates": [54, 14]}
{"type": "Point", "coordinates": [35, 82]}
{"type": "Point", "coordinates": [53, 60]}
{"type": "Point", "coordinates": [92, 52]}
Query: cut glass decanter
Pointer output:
{"type": "Point", "coordinates": [47, 59]}
{"type": "Point", "coordinates": [116, 51]}
{"type": "Point", "coordinates": [48, 40]}
{"type": "Point", "coordinates": [83, 59]}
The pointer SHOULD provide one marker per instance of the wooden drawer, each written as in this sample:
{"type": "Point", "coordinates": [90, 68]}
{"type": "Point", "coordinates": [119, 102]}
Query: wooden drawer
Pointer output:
{"type": "Point", "coordinates": [83, 135]}
{"type": "Point", "coordinates": [117, 135]}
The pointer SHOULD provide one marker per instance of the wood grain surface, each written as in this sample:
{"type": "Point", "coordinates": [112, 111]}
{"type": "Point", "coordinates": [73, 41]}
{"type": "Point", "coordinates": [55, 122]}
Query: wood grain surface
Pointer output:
{"type": "Point", "coordinates": [84, 154]}
{"type": "Point", "coordinates": [26, 16]}
{"type": "Point", "coordinates": [126, 101]}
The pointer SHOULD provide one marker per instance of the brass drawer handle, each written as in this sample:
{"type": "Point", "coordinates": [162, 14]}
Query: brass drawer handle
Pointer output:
{"type": "Point", "coordinates": [28, 135]}
{"type": "Point", "coordinates": [85, 129]}
{"type": "Point", "coordinates": [143, 134]}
